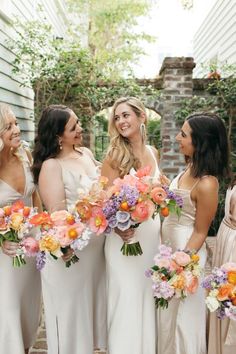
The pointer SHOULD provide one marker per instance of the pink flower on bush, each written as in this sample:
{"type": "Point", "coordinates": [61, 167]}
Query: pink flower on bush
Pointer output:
{"type": "Point", "coordinates": [143, 211]}
{"type": "Point", "coordinates": [31, 246]}
{"type": "Point", "coordinates": [59, 217]}
{"type": "Point", "coordinates": [181, 258]}
{"type": "Point", "coordinates": [158, 195]}
{"type": "Point", "coordinates": [98, 222]}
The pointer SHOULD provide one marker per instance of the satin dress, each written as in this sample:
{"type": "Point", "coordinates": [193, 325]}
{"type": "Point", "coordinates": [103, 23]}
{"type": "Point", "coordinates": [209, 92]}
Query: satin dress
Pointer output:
{"type": "Point", "coordinates": [182, 326]}
{"type": "Point", "coordinates": [20, 288]}
{"type": "Point", "coordinates": [222, 333]}
{"type": "Point", "coordinates": [131, 307]}
{"type": "Point", "coordinates": [74, 297]}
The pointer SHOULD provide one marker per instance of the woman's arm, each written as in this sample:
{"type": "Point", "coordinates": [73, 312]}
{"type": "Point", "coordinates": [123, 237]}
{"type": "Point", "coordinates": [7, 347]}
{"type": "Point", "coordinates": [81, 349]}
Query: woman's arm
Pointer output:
{"type": "Point", "coordinates": [206, 198]}
{"type": "Point", "coordinates": [51, 187]}
{"type": "Point", "coordinates": [109, 172]}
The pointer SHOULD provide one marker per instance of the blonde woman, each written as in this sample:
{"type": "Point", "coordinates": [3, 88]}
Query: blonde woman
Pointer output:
{"type": "Point", "coordinates": [131, 309]}
{"type": "Point", "coordinates": [20, 287]}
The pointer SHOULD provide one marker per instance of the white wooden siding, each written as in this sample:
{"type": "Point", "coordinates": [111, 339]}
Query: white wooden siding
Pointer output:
{"type": "Point", "coordinates": [21, 99]}
{"type": "Point", "coordinates": [216, 37]}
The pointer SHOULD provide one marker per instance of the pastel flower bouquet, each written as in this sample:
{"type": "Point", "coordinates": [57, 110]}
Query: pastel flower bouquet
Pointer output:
{"type": "Point", "coordinates": [133, 200]}
{"type": "Point", "coordinates": [60, 231]}
{"type": "Point", "coordinates": [221, 286]}
{"type": "Point", "coordinates": [174, 274]}
{"type": "Point", "coordinates": [15, 227]}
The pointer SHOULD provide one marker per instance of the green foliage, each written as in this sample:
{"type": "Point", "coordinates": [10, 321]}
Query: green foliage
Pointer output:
{"type": "Point", "coordinates": [110, 27]}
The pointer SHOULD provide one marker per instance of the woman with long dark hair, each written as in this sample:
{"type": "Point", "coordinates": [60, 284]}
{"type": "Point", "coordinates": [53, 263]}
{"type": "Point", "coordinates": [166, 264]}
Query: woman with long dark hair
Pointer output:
{"type": "Point", "coordinates": [203, 141]}
{"type": "Point", "coordinates": [74, 298]}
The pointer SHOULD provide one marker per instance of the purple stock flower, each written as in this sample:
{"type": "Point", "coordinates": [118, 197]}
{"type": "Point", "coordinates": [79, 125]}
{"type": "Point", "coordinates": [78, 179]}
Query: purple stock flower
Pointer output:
{"type": "Point", "coordinates": [40, 260]}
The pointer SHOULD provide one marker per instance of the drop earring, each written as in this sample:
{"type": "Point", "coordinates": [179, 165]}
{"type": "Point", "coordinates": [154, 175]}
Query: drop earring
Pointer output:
{"type": "Point", "coordinates": [60, 144]}
{"type": "Point", "coordinates": [143, 132]}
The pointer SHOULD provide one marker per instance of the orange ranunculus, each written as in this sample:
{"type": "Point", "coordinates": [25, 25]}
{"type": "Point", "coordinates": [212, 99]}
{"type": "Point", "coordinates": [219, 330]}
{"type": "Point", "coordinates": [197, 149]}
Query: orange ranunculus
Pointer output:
{"type": "Point", "coordinates": [7, 210]}
{"type": "Point", "coordinates": [225, 291]}
{"type": "Point", "coordinates": [144, 171]}
{"type": "Point", "coordinates": [16, 221]}
{"type": "Point", "coordinates": [48, 243]}
{"type": "Point", "coordinates": [41, 219]}
{"type": "Point", "coordinates": [232, 277]}
{"type": "Point", "coordinates": [158, 195]}
{"type": "Point", "coordinates": [124, 206]}
{"type": "Point", "coordinates": [84, 210]}
{"type": "Point", "coordinates": [18, 205]}
{"type": "Point", "coordinates": [26, 211]}
{"type": "Point", "coordinates": [143, 211]}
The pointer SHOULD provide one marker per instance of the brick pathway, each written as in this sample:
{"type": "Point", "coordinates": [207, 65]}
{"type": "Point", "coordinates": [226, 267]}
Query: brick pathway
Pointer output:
{"type": "Point", "coordinates": [41, 343]}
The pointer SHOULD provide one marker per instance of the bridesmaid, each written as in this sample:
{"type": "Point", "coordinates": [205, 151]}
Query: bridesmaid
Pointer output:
{"type": "Point", "coordinates": [222, 333]}
{"type": "Point", "coordinates": [20, 295]}
{"type": "Point", "coordinates": [203, 142]}
{"type": "Point", "coordinates": [131, 309]}
{"type": "Point", "coordinates": [74, 298]}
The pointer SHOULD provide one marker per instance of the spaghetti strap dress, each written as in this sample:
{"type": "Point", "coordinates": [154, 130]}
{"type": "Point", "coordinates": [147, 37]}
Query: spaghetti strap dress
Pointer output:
{"type": "Point", "coordinates": [182, 326]}
{"type": "Point", "coordinates": [222, 333]}
{"type": "Point", "coordinates": [74, 297]}
{"type": "Point", "coordinates": [131, 307]}
{"type": "Point", "coordinates": [20, 288]}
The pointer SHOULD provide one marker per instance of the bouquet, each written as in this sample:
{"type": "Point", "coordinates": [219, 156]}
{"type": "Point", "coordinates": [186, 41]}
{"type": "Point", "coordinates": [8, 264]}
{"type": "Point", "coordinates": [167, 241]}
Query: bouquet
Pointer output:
{"type": "Point", "coordinates": [15, 227]}
{"type": "Point", "coordinates": [133, 200]}
{"type": "Point", "coordinates": [60, 231]}
{"type": "Point", "coordinates": [221, 284]}
{"type": "Point", "coordinates": [174, 274]}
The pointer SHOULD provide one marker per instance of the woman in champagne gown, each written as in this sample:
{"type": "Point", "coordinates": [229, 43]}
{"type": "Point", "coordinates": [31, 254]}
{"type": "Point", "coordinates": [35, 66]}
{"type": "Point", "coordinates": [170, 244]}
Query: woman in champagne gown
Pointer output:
{"type": "Point", "coordinates": [74, 297]}
{"type": "Point", "coordinates": [222, 333]}
{"type": "Point", "coordinates": [203, 141]}
{"type": "Point", "coordinates": [20, 294]}
{"type": "Point", "coordinates": [131, 308]}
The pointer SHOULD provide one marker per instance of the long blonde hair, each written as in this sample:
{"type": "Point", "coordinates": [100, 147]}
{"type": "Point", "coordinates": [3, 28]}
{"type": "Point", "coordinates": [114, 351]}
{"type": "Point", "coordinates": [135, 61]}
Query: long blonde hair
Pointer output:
{"type": "Point", "coordinates": [5, 110]}
{"type": "Point", "coordinates": [120, 153]}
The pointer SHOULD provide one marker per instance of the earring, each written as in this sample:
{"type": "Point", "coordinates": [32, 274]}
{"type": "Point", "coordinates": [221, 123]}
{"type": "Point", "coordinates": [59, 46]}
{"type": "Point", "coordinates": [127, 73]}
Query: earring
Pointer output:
{"type": "Point", "coordinates": [143, 132]}
{"type": "Point", "coordinates": [1, 144]}
{"type": "Point", "coordinates": [60, 144]}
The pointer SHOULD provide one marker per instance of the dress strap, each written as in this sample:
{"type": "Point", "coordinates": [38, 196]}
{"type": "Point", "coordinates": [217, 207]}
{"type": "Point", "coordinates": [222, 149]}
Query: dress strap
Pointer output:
{"type": "Point", "coordinates": [155, 160]}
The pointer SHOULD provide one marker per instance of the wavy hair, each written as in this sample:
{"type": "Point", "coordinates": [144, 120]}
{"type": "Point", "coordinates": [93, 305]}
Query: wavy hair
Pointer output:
{"type": "Point", "coordinates": [211, 150]}
{"type": "Point", "coordinates": [50, 127]}
{"type": "Point", "coordinates": [120, 152]}
{"type": "Point", "coordinates": [5, 111]}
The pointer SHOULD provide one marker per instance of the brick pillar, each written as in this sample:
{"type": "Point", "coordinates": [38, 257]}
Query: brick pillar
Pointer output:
{"type": "Point", "coordinates": [177, 85]}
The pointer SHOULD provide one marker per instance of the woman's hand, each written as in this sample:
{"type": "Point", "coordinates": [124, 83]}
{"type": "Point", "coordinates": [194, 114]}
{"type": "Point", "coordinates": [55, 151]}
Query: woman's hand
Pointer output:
{"type": "Point", "coordinates": [164, 180]}
{"type": "Point", "coordinates": [68, 255]}
{"type": "Point", "coordinates": [10, 248]}
{"type": "Point", "coordinates": [125, 235]}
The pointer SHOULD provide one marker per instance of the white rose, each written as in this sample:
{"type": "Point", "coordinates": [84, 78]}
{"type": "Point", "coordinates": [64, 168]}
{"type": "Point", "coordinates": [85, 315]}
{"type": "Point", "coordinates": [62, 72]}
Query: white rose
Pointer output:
{"type": "Point", "coordinates": [212, 303]}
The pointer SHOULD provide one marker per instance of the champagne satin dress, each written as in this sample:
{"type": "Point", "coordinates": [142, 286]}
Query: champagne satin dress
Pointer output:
{"type": "Point", "coordinates": [222, 333]}
{"type": "Point", "coordinates": [20, 288]}
{"type": "Point", "coordinates": [182, 326]}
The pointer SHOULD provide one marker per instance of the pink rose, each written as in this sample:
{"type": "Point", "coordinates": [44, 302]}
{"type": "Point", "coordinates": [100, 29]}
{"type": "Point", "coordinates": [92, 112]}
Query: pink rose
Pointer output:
{"type": "Point", "coordinates": [59, 217]}
{"type": "Point", "coordinates": [158, 195]}
{"type": "Point", "coordinates": [143, 211]}
{"type": "Point", "coordinates": [191, 282]}
{"type": "Point", "coordinates": [181, 258]}
{"type": "Point", "coordinates": [31, 246]}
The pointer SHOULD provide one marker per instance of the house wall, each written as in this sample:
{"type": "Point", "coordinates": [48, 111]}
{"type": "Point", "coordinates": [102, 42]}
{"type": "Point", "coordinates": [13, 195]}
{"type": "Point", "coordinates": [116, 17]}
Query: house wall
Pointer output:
{"type": "Point", "coordinates": [21, 99]}
{"type": "Point", "coordinates": [215, 40]}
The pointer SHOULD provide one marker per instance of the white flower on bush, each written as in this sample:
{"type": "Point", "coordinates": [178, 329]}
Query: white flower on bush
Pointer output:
{"type": "Point", "coordinates": [212, 303]}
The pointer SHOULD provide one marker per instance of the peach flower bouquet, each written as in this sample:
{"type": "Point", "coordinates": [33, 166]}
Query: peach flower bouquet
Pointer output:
{"type": "Point", "coordinates": [174, 274]}
{"type": "Point", "coordinates": [15, 227]}
{"type": "Point", "coordinates": [221, 286]}
{"type": "Point", "coordinates": [133, 200]}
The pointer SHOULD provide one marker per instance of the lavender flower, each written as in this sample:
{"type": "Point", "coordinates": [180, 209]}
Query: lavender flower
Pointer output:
{"type": "Point", "coordinates": [40, 260]}
{"type": "Point", "coordinates": [163, 290]}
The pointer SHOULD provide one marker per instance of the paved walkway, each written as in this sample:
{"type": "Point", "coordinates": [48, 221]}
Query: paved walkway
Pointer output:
{"type": "Point", "coordinates": [41, 343]}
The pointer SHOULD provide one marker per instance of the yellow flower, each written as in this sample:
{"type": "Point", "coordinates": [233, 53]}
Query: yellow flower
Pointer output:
{"type": "Point", "coordinates": [48, 243]}
{"type": "Point", "coordinates": [232, 277]}
{"type": "Point", "coordinates": [16, 221]}
{"type": "Point", "coordinates": [195, 258]}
